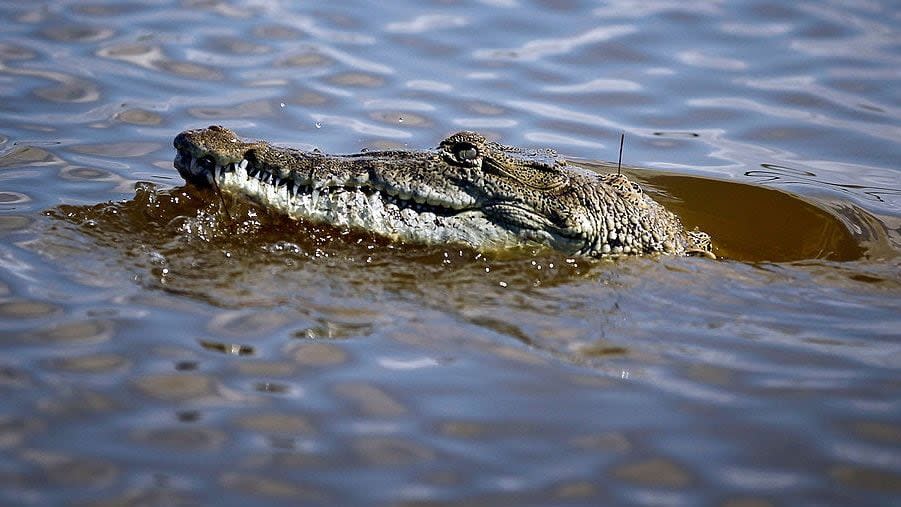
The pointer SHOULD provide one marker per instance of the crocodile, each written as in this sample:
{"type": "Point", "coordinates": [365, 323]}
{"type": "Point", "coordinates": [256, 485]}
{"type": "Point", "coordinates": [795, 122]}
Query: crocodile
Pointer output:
{"type": "Point", "coordinates": [467, 191]}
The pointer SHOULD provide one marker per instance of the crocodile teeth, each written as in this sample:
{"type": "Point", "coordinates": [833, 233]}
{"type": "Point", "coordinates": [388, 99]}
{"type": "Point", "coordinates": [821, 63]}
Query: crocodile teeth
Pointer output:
{"type": "Point", "coordinates": [321, 193]}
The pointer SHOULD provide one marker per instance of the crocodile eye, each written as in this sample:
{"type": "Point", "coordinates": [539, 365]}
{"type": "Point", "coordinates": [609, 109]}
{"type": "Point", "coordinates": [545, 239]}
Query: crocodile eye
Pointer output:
{"type": "Point", "coordinates": [466, 152]}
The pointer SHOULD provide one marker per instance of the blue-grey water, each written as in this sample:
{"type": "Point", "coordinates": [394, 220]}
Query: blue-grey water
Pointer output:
{"type": "Point", "coordinates": [154, 355]}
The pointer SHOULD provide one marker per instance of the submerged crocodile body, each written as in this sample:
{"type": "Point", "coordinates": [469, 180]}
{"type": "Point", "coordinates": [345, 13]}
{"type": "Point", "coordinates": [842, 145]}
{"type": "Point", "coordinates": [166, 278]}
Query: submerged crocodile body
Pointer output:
{"type": "Point", "coordinates": [468, 190]}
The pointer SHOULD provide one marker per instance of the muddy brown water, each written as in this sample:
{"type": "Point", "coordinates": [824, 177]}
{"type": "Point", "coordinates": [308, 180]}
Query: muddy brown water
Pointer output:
{"type": "Point", "coordinates": [158, 352]}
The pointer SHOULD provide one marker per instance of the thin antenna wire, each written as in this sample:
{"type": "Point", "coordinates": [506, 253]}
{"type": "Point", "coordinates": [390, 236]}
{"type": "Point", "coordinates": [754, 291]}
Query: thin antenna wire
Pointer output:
{"type": "Point", "coordinates": [619, 165]}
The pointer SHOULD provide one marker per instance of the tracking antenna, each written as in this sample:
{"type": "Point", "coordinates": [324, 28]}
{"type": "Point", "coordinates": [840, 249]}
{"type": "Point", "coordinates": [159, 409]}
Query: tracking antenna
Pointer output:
{"type": "Point", "coordinates": [619, 165]}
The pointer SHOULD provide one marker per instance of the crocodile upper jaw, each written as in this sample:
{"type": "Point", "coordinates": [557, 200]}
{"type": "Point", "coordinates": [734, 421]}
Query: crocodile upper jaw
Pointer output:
{"type": "Point", "coordinates": [411, 217]}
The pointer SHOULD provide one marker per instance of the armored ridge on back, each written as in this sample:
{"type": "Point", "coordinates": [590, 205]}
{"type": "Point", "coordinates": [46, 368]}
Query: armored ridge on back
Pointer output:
{"type": "Point", "coordinates": [468, 190]}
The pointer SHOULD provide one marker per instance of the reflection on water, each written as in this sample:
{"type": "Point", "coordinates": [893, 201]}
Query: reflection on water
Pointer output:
{"type": "Point", "coordinates": [159, 352]}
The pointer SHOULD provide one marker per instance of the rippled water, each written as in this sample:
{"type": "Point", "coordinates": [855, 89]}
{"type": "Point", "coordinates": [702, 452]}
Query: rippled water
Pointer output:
{"type": "Point", "coordinates": [158, 354]}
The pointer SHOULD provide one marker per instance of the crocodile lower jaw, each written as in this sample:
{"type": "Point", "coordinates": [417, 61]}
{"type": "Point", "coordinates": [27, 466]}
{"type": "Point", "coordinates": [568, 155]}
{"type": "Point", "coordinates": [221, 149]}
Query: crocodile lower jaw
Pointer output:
{"type": "Point", "coordinates": [360, 207]}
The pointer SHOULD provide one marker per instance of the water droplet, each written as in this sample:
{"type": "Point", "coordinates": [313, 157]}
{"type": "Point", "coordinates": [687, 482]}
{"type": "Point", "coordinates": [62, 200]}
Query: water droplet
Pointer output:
{"type": "Point", "coordinates": [318, 125]}
{"type": "Point", "coordinates": [502, 284]}
{"type": "Point", "coordinates": [281, 104]}
{"type": "Point", "coordinates": [400, 119]}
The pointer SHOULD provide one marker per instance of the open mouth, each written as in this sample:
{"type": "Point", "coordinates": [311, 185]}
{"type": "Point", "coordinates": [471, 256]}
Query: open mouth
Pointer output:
{"type": "Point", "coordinates": [203, 171]}
{"type": "Point", "coordinates": [365, 201]}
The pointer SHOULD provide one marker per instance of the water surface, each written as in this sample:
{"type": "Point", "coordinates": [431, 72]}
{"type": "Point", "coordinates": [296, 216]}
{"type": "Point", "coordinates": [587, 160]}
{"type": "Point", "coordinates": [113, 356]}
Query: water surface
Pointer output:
{"type": "Point", "coordinates": [157, 352]}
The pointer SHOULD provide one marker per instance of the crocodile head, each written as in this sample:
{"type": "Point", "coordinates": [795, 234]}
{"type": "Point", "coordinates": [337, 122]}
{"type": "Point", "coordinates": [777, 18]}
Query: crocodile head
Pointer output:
{"type": "Point", "coordinates": [467, 190]}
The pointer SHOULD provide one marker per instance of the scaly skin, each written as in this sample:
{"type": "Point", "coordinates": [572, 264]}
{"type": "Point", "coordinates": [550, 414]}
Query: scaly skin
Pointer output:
{"type": "Point", "coordinates": [468, 191]}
